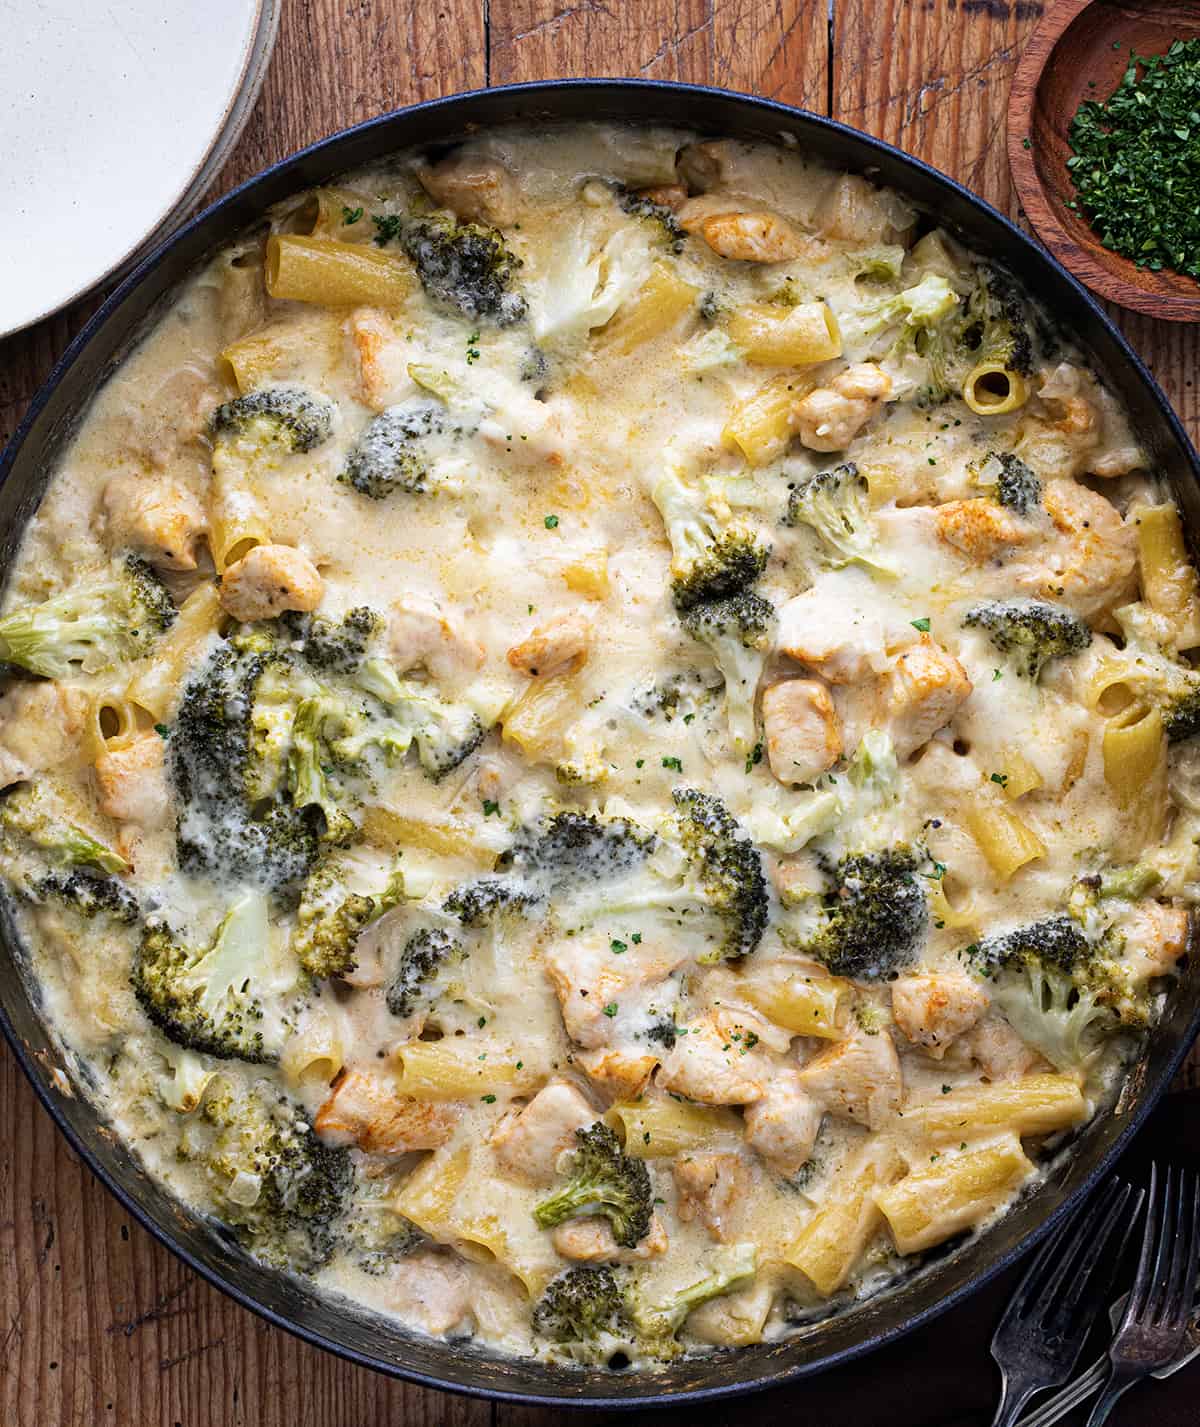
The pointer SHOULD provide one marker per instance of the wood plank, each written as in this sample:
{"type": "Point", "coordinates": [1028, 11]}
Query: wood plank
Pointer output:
{"type": "Point", "coordinates": [777, 48]}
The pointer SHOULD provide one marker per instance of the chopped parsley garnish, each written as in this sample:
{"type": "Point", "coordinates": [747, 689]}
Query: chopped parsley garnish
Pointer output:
{"type": "Point", "coordinates": [617, 947]}
{"type": "Point", "coordinates": [754, 756]}
{"type": "Point", "coordinates": [610, 1010]}
{"type": "Point", "coordinates": [489, 807]}
{"type": "Point", "coordinates": [1136, 161]}
{"type": "Point", "coordinates": [350, 215]}
{"type": "Point", "coordinates": [162, 730]}
{"type": "Point", "coordinates": [921, 624]}
{"type": "Point", "coordinates": [551, 522]}
{"type": "Point", "coordinates": [1001, 779]}
{"type": "Point", "coordinates": [675, 763]}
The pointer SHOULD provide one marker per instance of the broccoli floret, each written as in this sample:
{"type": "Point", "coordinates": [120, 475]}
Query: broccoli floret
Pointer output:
{"type": "Point", "coordinates": [721, 883]}
{"type": "Point", "coordinates": [913, 312]}
{"type": "Point", "coordinates": [273, 1181]}
{"type": "Point", "coordinates": [373, 1234]}
{"type": "Point", "coordinates": [1052, 985]}
{"type": "Point", "coordinates": [874, 918]}
{"type": "Point", "coordinates": [466, 266]}
{"type": "Point", "coordinates": [582, 1312]}
{"type": "Point", "coordinates": [1181, 709]}
{"type": "Point", "coordinates": [605, 1181]}
{"type": "Point", "coordinates": [329, 919]}
{"type": "Point", "coordinates": [658, 1321]}
{"type": "Point", "coordinates": [710, 557]}
{"type": "Point", "coordinates": [29, 813]}
{"type": "Point", "coordinates": [229, 750]}
{"type": "Point", "coordinates": [331, 648]}
{"type": "Point", "coordinates": [390, 456]}
{"type": "Point", "coordinates": [577, 846]}
{"type": "Point", "coordinates": [99, 622]}
{"type": "Point", "coordinates": [477, 903]}
{"type": "Point", "coordinates": [207, 1001]}
{"type": "Point", "coordinates": [1017, 487]}
{"type": "Point", "coordinates": [738, 631]}
{"type": "Point", "coordinates": [729, 870]}
{"type": "Point", "coordinates": [427, 953]}
{"type": "Point", "coordinates": [90, 896]}
{"type": "Point", "coordinates": [677, 696]}
{"type": "Point", "coordinates": [835, 504]}
{"type": "Point", "coordinates": [637, 205]}
{"type": "Point", "coordinates": [664, 1033]}
{"type": "Point", "coordinates": [309, 781]}
{"type": "Point", "coordinates": [286, 418]}
{"type": "Point", "coordinates": [445, 733]}
{"type": "Point", "coordinates": [1032, 632]}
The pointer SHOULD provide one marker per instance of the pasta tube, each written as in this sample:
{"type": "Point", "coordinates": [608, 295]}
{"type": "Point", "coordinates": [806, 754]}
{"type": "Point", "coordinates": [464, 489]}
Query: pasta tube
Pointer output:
{"type": "Point", "coordinates": [775, 336]}
{"type": "Point", "coordinates": [335, 274]}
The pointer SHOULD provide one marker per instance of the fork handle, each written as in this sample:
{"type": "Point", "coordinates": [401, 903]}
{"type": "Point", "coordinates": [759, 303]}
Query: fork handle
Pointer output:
{"type": "Point", "coordinates": [1116, 1386]}
{"type": "Point", "coordinates": [1012, 1402]}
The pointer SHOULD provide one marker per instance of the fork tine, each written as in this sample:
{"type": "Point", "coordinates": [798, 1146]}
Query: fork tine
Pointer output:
{"type": "Point", "coordinates": [1177, 1306]}
{"type": "Point", "coordinates": [1083, 1278]}
{"type": "Point", "coordinates": [1168, 1236]}
{"type": "Point", "coordinates": [1046, 1268]}
{"type": "Point", "coordinates": [1137, 1294]}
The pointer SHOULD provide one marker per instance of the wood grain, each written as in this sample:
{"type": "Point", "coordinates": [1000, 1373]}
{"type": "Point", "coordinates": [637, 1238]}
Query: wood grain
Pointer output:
{"type": "Point", "coordinates": [98, 1324]}
{"type": "Point", "coordinates": [1079, 52]}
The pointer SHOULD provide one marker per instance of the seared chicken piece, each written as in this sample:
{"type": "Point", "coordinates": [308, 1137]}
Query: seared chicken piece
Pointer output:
{"type": "Point", "coordinates": [620, 1073]}
{"type": "Point", "coordinates": [803, 735]}
{"type": "Point", "coordinates": [420, 634]}
{"type": "Point", "coordinates": [921, 694]}
{"type": "Point", "coordinates": [132, 780]}
{"type": "Point", "coordinates": [752, 237]}
{"type": "Point", "coordinates": [590, 1240]}
{"type": "Point", "coordinates": [858, 1078]}
{"type": "Point", "coordinates": [553, 646]}
{"type": "Point", "coordinates": [997, 1049]}
{"type": "Point", "coordinates": [269, 580]}
{"type": "Point", "coordinates": [365, 1110]}
{"type": "Point", "coordinates": [156, 518]}
{"type": "Point", "coordinates": [981, 528]}
{"type": "Point", "coordinates": [706, 1065]}
{"type": "Point", "coordinates": [932, 1010]}
{"type": "Point", "coordinates": [842, 643]}
{"type": "Point", "coordinates": [528, 1143]}
{"type": "Point", "coordinates": [782, 1127]}
{"type": "Point", "coordinates": [1089, 564]}
{"type": "Point", "coordinates": [829, 418]}
{"type": "Point", "coordinates": [708, 1187]}
{"type": "Point", "coordinates": [475, 189]}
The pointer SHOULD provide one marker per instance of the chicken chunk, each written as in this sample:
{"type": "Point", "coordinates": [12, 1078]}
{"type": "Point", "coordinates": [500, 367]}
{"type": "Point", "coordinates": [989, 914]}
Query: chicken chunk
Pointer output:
{"type": "Point", "coordinates": [997, 1049]}
{"type": "Point", "coordinates": [829, 418]}
{"type": "Point", "coordinates": [782, 1127]}
{"type": "Point", "coordinates": [40, 727]}
{"type": "Point", "coordinates": [855, 211]}
{"type": "Point", "coordinates": [752, 237]}
{"type": "Point", "coordinates": [981, 528]}
{"type": "Point", "coordinates": [803, 735]}
{"type": "Point", "coordinates": [841, 640]}
{"type": "Point", "coordinates": [380, 369]}
{"type": "Point", "coordinates": [158, 519]}
{"type": "Point", "coordinates": [933, 1010]}
{"type": "Point", "coordinates": [132, 780]}
{"type": "Point", "coordinates": [269, 580]}
{"type": "Point", "coordinates": [421, 634]}
{"type": "Point", "coordinates": [921, 693]}
{"type": "Point", "coordinates": [708, 1187]}
{"type": "Point", "coordinates": [590, 1240]}
{"type": "Point", "coordinates": [554, 646]}
{"type": "Point", "coordinates": [620, 1073]}
{"type": "Point", "coordinates": [858, 1078]}
{"type": "Point", "coordinates": [589, 982]}
{"type": "Point", "coordinates": [366, 1110]}
{"type": "Point", "coordinates": [431, 1290]}
{"type": "Point", "coordinates": [529, 1143]}
{"type": "Point", "coordinates": [1156, 937]}
{"type": "Point", "coordinates": [707, 1066]}
{"type": "Point", "coordinates": [475, 189]}
{"type": "Point", "coordinates": [1089, 563]}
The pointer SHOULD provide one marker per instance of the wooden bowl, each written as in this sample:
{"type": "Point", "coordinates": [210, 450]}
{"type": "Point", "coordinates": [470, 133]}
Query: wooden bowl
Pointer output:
{"type": "Point", "coordinates": [1070, 58]}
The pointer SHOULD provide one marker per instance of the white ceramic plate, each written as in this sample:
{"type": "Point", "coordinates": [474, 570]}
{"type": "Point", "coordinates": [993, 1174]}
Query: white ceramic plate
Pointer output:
{"type": "Point", "coordinates": [114, 117]}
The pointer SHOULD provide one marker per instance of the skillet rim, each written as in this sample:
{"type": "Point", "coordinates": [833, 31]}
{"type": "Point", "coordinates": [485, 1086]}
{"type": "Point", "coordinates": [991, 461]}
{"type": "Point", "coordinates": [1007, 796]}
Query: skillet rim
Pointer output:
{"type": "Point", "coordinates": [860, 148]}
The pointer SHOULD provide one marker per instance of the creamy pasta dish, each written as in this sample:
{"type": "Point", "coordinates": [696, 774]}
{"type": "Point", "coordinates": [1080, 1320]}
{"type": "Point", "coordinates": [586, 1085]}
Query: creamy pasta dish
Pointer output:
{"type": "Point", "coordinates": [598, 742]}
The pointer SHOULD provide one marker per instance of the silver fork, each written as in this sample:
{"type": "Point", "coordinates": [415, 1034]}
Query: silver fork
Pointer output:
{"type": "Point", "coordinates": [1045, 1326]}
{"type": "Point", "coordinates": [1160, 1301]}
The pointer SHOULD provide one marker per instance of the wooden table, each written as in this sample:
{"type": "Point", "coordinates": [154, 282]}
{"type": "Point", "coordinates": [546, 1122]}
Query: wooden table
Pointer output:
{"type": "Point", "coordinates": [101, 1326]}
